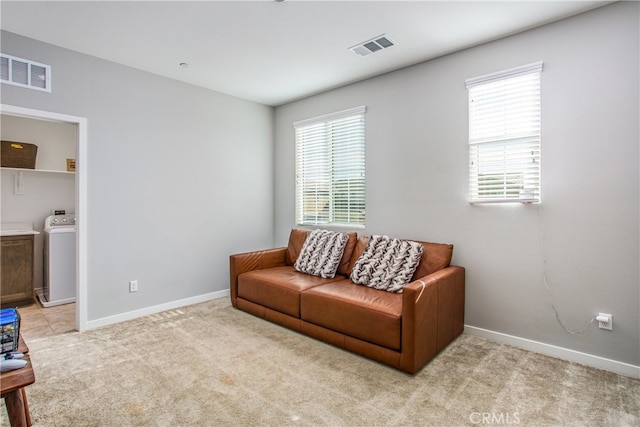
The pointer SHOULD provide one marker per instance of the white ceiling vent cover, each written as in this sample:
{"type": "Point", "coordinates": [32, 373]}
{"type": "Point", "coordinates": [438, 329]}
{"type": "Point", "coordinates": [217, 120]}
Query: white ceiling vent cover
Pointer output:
{"type": "Point", "coordinates": [23, 72]}
{"type": "Point", "coordinates": [370, 46]}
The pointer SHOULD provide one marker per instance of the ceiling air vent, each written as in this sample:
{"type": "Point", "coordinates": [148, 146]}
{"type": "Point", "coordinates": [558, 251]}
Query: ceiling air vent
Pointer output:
{"type": "Point", "coordinates": [23, 72]}
{"type": "Point", "coordinates": [373, 45]}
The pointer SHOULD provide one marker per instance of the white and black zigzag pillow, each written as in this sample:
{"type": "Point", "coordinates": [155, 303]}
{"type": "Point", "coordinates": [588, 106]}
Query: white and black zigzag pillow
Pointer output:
{"type": "Point", "coordinates": [387, 264]}
{"type": "Point", "coordinates": [321, 253]}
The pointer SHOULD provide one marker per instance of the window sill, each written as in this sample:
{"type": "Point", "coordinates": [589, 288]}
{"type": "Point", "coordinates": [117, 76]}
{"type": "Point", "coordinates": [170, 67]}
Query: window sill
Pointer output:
{"type": "Point", "coordinates": [494, 201]}
{"type": "Point", "coordinates": [335, 226]}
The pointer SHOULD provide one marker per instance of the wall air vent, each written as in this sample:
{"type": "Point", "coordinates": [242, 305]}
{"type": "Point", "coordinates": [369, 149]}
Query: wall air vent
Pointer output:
{"type": "Point", "coordinates": [23, 72]}
{"type": "Point", "coordinates": [373, 45]}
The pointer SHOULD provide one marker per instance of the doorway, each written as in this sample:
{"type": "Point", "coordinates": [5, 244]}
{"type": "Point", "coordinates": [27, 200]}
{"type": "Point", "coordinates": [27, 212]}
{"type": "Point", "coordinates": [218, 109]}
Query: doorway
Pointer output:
{"type": "Point", "coordinates": [80, 124]}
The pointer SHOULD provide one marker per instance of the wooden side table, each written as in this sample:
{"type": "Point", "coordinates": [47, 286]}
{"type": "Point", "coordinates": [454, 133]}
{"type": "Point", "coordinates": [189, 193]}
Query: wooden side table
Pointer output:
{"type": "Point", "coordinates": [13, 385]}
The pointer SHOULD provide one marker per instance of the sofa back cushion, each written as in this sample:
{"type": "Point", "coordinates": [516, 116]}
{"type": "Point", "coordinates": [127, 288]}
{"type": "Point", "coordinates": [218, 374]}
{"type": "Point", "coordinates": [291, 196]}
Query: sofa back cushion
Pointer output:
{"type": "Point", "coordinates": [298, 237]}
{"type": "Point", "coordinates": [296, 241]}
{"type": "Point", "coordinates": [435, 256]}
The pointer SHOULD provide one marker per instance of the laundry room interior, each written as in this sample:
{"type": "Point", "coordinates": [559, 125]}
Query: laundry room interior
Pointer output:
{"type": "Point", "coordinates": [29, 197]}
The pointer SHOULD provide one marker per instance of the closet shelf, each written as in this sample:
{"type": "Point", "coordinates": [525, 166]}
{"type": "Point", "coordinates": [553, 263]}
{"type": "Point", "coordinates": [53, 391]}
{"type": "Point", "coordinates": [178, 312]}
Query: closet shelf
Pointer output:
{"type": "Point", "coordinates": [37, 170]}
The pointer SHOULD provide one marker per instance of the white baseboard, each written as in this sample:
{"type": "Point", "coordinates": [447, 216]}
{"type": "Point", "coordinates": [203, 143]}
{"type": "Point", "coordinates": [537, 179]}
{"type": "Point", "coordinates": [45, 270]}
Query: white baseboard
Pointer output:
{"type": "Point", "coordinates": [621, 368]}
{"type": "Point", "coordinates": [130, 315]}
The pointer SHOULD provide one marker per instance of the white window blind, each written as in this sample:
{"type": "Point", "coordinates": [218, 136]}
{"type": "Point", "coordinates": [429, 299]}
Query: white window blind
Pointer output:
{"type": "Point", "coordinates": [330, 169]}
{"type": "Point", "coordinates": [504, 136]}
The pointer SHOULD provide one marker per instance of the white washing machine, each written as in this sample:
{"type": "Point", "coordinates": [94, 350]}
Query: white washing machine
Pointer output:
{"type": "Point", "coordinates": [59, 260]}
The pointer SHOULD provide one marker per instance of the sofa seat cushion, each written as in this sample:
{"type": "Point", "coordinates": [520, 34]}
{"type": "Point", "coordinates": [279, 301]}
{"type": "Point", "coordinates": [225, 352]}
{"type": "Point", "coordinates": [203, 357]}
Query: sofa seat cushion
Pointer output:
{"type": "Point", "coordinates": [278, 288]}
{"type": "Point", "coordinates": [366, 313]}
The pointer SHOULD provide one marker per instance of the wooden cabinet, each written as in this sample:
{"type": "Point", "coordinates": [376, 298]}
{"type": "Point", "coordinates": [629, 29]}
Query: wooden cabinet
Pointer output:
{"type": "Point", "coordinates": [17, 270]}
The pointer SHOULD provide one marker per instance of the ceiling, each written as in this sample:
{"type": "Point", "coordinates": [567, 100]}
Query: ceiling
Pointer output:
{"type": "Point", "coordinates": [274, 52]}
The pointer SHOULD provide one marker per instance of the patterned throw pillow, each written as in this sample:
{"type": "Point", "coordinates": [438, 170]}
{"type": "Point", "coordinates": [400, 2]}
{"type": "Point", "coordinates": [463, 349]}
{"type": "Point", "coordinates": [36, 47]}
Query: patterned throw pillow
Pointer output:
{"type": "Point", "coordinates": [321, 253]}
{"type": "Point", "coordinates": [387, 264]}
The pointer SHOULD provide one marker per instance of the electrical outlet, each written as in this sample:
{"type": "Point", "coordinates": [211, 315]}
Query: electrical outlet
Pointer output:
{"type": "Point", "coordinates": [605, 321]}
{"type": "Point", "coordinates": [133, 286]}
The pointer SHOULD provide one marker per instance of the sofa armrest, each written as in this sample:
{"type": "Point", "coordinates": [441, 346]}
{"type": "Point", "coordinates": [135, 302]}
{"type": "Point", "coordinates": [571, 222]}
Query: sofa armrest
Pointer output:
{"type": "Point", "coordinates": [249, 261]}
{"type": "Point", "coordinates": [432, 315]}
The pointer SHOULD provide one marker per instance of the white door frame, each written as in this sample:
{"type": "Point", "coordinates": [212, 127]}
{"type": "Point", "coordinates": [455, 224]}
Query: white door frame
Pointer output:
{"type": "Point", "coordinates": [81, 198]}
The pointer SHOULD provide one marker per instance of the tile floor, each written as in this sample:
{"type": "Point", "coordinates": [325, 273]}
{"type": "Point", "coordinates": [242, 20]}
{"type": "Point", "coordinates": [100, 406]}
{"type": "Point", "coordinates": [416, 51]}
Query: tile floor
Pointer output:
{"type": "Point", "coordinates": [37, 321]}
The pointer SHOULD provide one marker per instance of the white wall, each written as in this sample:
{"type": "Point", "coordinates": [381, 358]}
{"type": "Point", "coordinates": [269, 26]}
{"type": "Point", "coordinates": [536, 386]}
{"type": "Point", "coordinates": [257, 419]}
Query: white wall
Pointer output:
{"type": "Point", "coordinates": [179, 177]}
{"type": "Point", "coordinates": [585, 234]}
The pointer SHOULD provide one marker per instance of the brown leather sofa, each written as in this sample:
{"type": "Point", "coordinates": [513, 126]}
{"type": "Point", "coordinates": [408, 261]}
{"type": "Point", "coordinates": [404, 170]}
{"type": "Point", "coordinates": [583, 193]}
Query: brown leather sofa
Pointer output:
{"type": "Point", "coordinates": [403, 330]}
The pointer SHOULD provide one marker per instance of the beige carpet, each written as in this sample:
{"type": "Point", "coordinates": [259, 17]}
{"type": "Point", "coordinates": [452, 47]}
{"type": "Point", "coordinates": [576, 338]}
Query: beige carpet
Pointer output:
{"type": "Point", "coordinates": [209, 364]}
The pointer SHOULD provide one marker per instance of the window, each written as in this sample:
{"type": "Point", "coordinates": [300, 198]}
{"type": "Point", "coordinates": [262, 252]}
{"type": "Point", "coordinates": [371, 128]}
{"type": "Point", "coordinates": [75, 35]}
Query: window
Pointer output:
{"type": "Point", "coordinates": [330, 181]}
{"type": "Point", "coordinates": [504, 136]}
{"type": "Point", "coordinates": [22, 72]}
